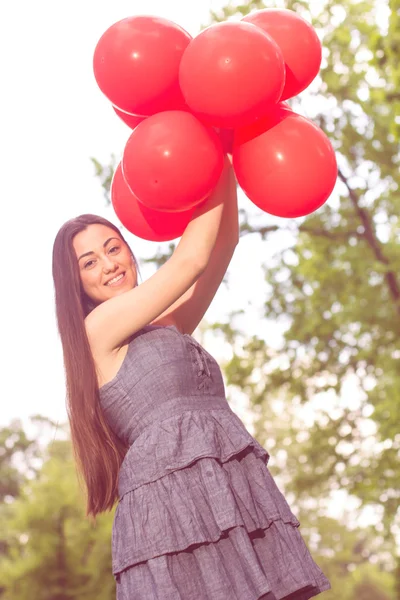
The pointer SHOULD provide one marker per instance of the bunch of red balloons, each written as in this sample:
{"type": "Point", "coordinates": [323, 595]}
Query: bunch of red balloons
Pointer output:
{"type": "Point", "coordinates": [190, 100]}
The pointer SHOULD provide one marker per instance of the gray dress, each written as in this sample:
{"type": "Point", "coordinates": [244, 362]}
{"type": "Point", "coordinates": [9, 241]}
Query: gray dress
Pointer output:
{"type": "Point", "coordinates": [199, 515]}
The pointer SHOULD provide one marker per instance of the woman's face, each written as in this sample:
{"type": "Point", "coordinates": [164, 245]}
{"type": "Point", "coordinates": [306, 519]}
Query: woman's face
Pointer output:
{"type": "Point", "coordinates": [106, 265]}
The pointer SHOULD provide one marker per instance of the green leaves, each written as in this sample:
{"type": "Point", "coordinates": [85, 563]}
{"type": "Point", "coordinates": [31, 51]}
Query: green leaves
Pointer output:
{"type": "Point", "coordinates": [51, 551]}
{"type": "Point", "coordinates": [105, 174]}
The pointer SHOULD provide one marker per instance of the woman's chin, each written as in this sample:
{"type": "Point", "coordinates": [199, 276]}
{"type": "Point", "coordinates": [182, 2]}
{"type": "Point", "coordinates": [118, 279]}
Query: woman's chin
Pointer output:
{"type": "Point", "coordinates": [118, 291]}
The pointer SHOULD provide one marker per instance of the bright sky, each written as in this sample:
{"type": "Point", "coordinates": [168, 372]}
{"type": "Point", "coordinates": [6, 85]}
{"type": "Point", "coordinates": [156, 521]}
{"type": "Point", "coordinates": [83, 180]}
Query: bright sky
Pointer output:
{"type": "Point", "coordinates": [53, 118]}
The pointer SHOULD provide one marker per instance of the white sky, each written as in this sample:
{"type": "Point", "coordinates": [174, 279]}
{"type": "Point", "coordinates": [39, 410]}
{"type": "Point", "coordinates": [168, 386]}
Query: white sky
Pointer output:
{"type": "Point", "coordinates": [53, 118]}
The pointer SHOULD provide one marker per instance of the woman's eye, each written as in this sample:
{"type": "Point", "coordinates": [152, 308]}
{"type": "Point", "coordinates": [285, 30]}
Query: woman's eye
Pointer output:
{"type": "Point", "coordinates": [89, 264]}
{"type": "Point", "coordinates": [114, 249]}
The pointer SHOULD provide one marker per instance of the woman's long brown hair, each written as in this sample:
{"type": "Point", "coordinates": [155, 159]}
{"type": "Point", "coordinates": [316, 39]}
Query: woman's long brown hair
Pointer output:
{"type": "Point", "coordinates": [98, 452]}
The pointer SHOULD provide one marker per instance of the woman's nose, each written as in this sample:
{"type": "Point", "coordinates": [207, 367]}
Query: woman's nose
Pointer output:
{"type": "Point", "coordinates": [108, 264]}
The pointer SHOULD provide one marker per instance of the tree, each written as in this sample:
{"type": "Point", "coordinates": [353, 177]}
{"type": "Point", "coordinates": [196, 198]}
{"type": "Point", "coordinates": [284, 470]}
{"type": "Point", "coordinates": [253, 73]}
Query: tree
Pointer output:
{"type": "Point", "coordinates": [15, 448]}
{"type": "Point", "coordinates": [18, 458]}
{"type": "Point", "coordinates": [53, 551]}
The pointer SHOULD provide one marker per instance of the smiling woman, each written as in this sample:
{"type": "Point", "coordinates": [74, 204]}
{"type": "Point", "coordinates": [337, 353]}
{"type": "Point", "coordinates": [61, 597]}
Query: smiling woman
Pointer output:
{"type": "Point", "coordinates": [108, 267]}
{"type": "Point", "coordinates": [199, 514]}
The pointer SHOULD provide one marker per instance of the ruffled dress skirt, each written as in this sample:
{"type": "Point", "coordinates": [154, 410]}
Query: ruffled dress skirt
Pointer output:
{"type": "Point", "coordinates": [209, 525]}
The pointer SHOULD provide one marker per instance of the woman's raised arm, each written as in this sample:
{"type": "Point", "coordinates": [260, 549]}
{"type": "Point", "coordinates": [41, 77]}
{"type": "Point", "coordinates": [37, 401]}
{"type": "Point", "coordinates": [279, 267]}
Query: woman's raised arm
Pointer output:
{"type": "Point", "coordinates": [112, 322]}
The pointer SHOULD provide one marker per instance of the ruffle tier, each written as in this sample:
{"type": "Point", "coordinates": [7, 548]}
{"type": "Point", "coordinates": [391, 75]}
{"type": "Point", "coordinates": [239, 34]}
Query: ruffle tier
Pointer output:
{"type": "Point", "coordinates": [175, 442]}
{"type": "Point", "coordinates": [271, 565]}
{"type": "Point", "coordinates": [201, 518]}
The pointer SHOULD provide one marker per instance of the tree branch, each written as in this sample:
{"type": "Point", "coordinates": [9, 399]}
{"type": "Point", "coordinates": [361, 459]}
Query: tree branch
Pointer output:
{"type": "Point", "coordinates": [246, 228]}
{"type": "Point", "coordinates": [373, 242]}
{"type": "Point", "coordinates": [332, 235]}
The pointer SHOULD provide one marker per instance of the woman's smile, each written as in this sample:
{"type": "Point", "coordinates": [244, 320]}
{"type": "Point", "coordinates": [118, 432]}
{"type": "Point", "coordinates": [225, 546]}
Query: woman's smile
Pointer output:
{"type": "Point", "coordinates": [117, 280]}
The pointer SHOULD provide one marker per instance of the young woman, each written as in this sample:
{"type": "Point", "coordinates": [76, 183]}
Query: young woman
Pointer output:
{"type": "Point", "coordinates": [199, 516]}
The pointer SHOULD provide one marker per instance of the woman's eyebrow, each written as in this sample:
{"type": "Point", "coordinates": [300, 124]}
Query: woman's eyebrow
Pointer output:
{"type": "Point", "coordinates": [104, 245]}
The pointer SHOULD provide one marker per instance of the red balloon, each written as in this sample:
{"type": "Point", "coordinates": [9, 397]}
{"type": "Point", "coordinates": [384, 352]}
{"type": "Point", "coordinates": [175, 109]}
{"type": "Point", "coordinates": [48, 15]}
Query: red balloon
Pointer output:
{"type": "Point", "coordinates": [231, 73]}
{"type": "Point", "coordinates": [298, 40]}
{"type": "Point", "coordinates": [136, 64]}
{"type": "Point", "coordinates": [128, 119]}
{"type": "Point", "coordinates": [144, 222]}
{"type": "Point", "coordinates": [172, 161]}
{"type": "Point", "coordinates": [226, 136]}
{"type": "Point", "coordinates": [285, 164]}
{"type": "Point", "coordinates": [275, 116]}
